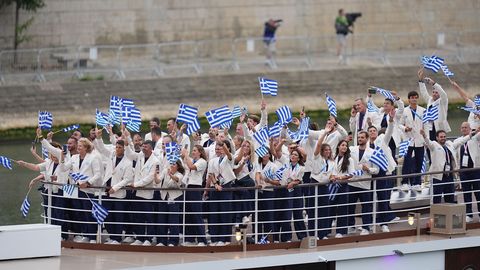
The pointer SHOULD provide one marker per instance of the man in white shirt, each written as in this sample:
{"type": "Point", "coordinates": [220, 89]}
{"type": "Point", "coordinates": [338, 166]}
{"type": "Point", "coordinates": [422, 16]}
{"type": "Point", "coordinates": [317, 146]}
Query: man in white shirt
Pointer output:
{"type": "Point", "coordinates": [360, 118]}
{"type": "Point", "coordinates": [155, 122]}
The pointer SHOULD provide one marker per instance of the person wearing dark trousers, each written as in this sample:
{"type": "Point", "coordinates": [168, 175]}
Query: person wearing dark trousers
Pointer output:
{"type": "Point", "coordinates": [266, 204]}
{"type": "Point", "coordinates": [360, 190]}
{"type": "Point", "coordinates": [170, 180]}
{"type": "Point", "coordinates": [411, 123]}
{"type": "Point", "coordinates": [443, 159]}
{"type": "Point", "coordinates": [196, 166]}
{"type": "Point", "coordinates": [293, 177]}
{"type": "Point", "coordinates": [118, 174]}
{"type": "Point", "coordinates": [469, 154]}
{"type": "Point", "coordinates": [244, 169]}
{"type": "Point", "coordinates": [144, 175]}
{"type": "Point", "coordinates": [220, 175]}
{"type": "Point", "coordinates": [322, 168]}
{"type": "Point", "coordinates": [344, 167]}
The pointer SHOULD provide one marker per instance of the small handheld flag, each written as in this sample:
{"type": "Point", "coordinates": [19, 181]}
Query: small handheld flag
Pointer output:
{"type": "Point", "coordinates": [268, 87]}
{"type": "Point", "coordinates": [471, 110]}
{"type": "Point", "coordinates": [45, 120]}
{"type": "Point", "coordinates": [275, 130]}
{"type": "Point", "coordinates": [431, 114]}
{"type": "Point", "coordinates": [433, 63]}
{"type": "Point", "coordinates": [101, 119]}
{"type": "Point", "coordinates": [69, 189]}
{"type": "Point", "coordinates": [172, 152]}
{"type": "Point", "coordinates": [25, 207]}
{"type": "Point", "coordinates": [236, 112]}
{"type": "Point", "coordinates": [332, 105]}
{"type": "Point", "coordinates": [262, 151]}
{"type": "Point", "coordinates": [356, 173]}
{"type": "Point", "coordinates": [261, 136]}
{"type": "Point", "coordinates": [371, 107]}
{"type": "Point", "coordinates": [6, 162]}
{"type": "Point", "coordinates": [446, 71]}
{"type": "Point", "coordinates": [78, 177]}
{"type": "Point", "coordinates": [284, 115]}
{"type": "Point", "coordinates": [378, 158]}
{"type": "Point", "coordinates": [387, 94]}
{"type": "Point", "coordinates": [403, 148]}
{"type": "Point", "coordinates": [70, 128]}
{"type": "Point", "coordinates": [218, 116]}
{"type": "Point", "coordinates": [99, 212]}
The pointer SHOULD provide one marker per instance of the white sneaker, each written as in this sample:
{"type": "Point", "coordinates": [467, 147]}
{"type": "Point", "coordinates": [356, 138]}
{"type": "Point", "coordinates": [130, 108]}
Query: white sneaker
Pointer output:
{"type": "Point", "coordinates": [85, 240]}
{"type": "Point", "coordinates": [187, 244]}
{"type": "Point", "coordinates": [147, 243]}
{"type": "Point", "coordinates": [113, 242]}
{"type": "Point", "coordinates": [276, 242]}
{"type": "Point", "coordinates": [220, 244]}
{"type": "Point", "coordinates": [160, 245]}
{"type": "Point", "coordinates": [468, 219]}
{"type": "Point", "coordinates": [201, 244]}
{"type": "Point", "coordinates": [227, 243]}
{"type": "Point", "coordinates": [171, 245]}
{"type": "Point", "coordinates": [364, 232]}
{"type": "Point", "coordinates": [77, 239]}
{"type": "Point", "coordinates": [334, 223]}
{"type": "Point", "coordinates": [417, 188]}
{"type": "Point", "coordinates": [325, 238]}
{"type": "Point", "coordinates": [92, 242]}
{"type": "Point", "coordinates": [351, 230]}
{"type": "Point", "coordinates": [396, 219]}
{"type": "Point", "coordinates": [385, 228]}
{"type": "Point", "coordinates": [136, 243]}
{"type": "Point", "coordinates": [405, 187]}
{"type": "Point", "coordinates": [212, 244]}
{"type": "Point", "coordinates": [128, 239]}
{"type": "Point", "coordinates": [338, 235]}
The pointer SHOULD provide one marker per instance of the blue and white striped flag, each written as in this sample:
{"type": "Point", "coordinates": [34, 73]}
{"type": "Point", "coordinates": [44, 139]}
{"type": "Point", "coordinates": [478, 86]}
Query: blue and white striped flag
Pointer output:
{"type": "Point", "coordinates": [6, 162]}
{"type": "Point", "coordinates": [385, 93]}
{"type": "Point", "coordinates": [192, 127]}
{"type": "Point", "coordinates": [284, 115]}
{"type": "Point", "coordinates": [236, 112]}
{"type": "Point", "coordinates": [25, 207]}
{"type": "Point", "coordinates": [186, 114]}
{"type": "Point", "coordinates": [268, 87]}
{"type": "Point", "coordinates": [127, 106]}
{"type": "Point", "coordinates": [226, 125]}
{"type": "Point", "coordinates": [264, 240]}
{"type": "Point", "coordinates": [446, 71]}
{"type": "Point", "coordinates": [69, 189]}
{"type": "Point", "coordinates": [431, 114]}
{"type": "Point", "coordinates": [101, 118]}
{"type": "Point", "coordinates": [332, 105]}
{"type": "Point", "coordinates": [371, 107]}
{"type": "Point", "coordinates": [269, 174]}
{"type": "Point", "coordinates": [262, 151]}
{"type": "Point", "coordinates": [275, 130]}
{"type": "Point", "coordinates": [424, 164]}
{"type": "Point", "coordinates": [433, 63]}
{"type": "Point", "coordinates": [332, 190]}
{"type": "Point", "coordinates": [44, 152]}
{"type": "Point", "coordinates": [218, 116]}
{"type": "Point", "coordinates": [470, 109]}
{"type": "Point", "coordinates": [261, 136]}
{"type": "Point", "coordinates": [172, 152]}
{"type": "Point", "coordinates": [70, 128]}
{"type": "Point", "coordinates": [99, 212]}
{"type": "Point", "coordinates": [379, 158]}
{"type": "Point", "coordinates": [403, 148]}
{"type": "Point", "coordinates": [135, 120]}
{"type": "Point", "coordinates": [477, 100]}
{"type": "Point", "coordinates": [45, 120]}
{"type": "Point", "coordinates": [78, 177]}
{"type": "Point", "coordinates": [356, 173]}
{"type": "Point", "coordinates": [115, 112]}
{"type": "Point", "coordinates": [279, 173]}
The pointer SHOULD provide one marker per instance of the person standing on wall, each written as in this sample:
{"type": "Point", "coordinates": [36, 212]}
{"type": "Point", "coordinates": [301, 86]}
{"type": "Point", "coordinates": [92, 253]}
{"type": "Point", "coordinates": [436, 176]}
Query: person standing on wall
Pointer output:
{"type": "Point", "coordinates": [342, 29]}
{"type": "Point", "coordinates": [269, 41]}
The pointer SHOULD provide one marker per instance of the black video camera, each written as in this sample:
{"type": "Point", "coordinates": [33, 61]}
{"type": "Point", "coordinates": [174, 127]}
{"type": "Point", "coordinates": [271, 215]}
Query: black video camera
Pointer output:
{"type": "Point", "coordinates": [351, 17]}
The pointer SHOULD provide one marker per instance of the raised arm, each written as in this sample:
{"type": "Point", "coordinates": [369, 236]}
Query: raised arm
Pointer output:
{"type": "Point", "coordinates": [463, 94]}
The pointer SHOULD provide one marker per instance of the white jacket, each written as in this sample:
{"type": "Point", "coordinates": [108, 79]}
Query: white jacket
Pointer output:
{"type": "Point", "coordinates": [144, 172]}
{"type": "Point", "coordinates": [441, 123]}
{"type": "Point", "coordinates": [354, 153]}
{"type": "Point", "coordinates": [407, 120]}
{"type": "Point", "coordinates": [437, 154]}
{"type": "Point", "coordinates": [91, 167]}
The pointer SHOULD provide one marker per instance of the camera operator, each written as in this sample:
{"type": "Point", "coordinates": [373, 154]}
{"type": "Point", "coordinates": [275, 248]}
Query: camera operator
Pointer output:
{"type": "Point", "coordinates": [342, 28]}
{"type": "Point", "coordinates": [269, 41]}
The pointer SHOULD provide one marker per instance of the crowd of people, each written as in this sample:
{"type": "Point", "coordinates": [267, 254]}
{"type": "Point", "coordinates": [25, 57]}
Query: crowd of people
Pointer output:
{"type": "Point", "coordinates": [130, 167]}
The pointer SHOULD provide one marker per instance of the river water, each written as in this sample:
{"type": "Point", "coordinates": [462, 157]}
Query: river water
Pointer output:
{"type": "Point", "coordinates": [14, 184]}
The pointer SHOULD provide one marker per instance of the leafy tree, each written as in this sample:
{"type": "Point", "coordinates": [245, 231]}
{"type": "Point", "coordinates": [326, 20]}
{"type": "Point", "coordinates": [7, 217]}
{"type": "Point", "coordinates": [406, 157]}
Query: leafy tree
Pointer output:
{"type": "Point", "coordinates": [20, 30]}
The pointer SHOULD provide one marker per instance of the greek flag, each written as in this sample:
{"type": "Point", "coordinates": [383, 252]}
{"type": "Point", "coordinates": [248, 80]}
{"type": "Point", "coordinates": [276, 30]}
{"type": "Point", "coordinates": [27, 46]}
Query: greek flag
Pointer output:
{"type": "Point", "coordinates": [268, 87]}
{"type": "Point", "coordinates": [187, 114]}
{"type": "Point", "coordinates": [101, 118]}
{"type": "Point", "coordinates": [115, 111]}
{"type": "Point", "coordinates": [226, 125]}
{"type": "Point", "coordinates": [446, 71]}
{"type": "Point", "coordinates": [470, 109]}
{"type": "Point", "coordinates": [371, 107]}
{"type": "Point", "coordinates": [378, 158]}
{"type": "Point", "coordinates": [385, 93]}
{"type": "Point", "coordinates": [132, 118]}
{"type": "Point", "coordinates": [262, 151]}
{"type": "Point", "coordinates": [302, 132]}
{"type": "Point", "coordinates": [279, 172]}
{"type": "Point", "coordinates": [127, 106]}
{"type": "Point", "coordinates": [424, 164]}
{"type": "Point", "coordinates": [269, 174]}
{"type": "Point", "coordinates": [433, 63]}
{"type": "Point", "coordinates": [69, 189]}
{"type": "Point", "coordinates": [403, 148]}
{"type": "Point", "coordinates": [356, 173]}
{"type": "Point", "coordinates": [264, 240]}
{"type": "Point", "coordinates": [261, 136]}
{"type": "Point", "coordinates": [332, 190]}
{"type": "Point", "coordinates": [332, 105]}
{"type": "Point", "coordinates": [236, 112]}
{"type": "Point", "coordinates": [477, 100]}
{"type": "Point", "coordinates": [78, 177]}
{"type": "Point", "coordinates": [431, 114]}
{"type": "Point", "coordinates": [99, 212]}
{"type": "Point", "coordinates": [6, 162]}
{"type": "Point", "coordinates": [192, 127]}
{"type": "Point", "coordinates": [274, 131]}
{"type": "Point", "coordinates": [70, 128]}
{"type": "Point", "coordinates": [172, 152]}
{"type": "Point", "coordinates": [218, 116]}
{"type": "Point", "coordinates": [45, 120]}
{"type": "Point", "coordinates": [25, 207]}
{"type": "Point", "coordinates": [284, 115]}
{"type": "Point", "coordinates": [44, 152]}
